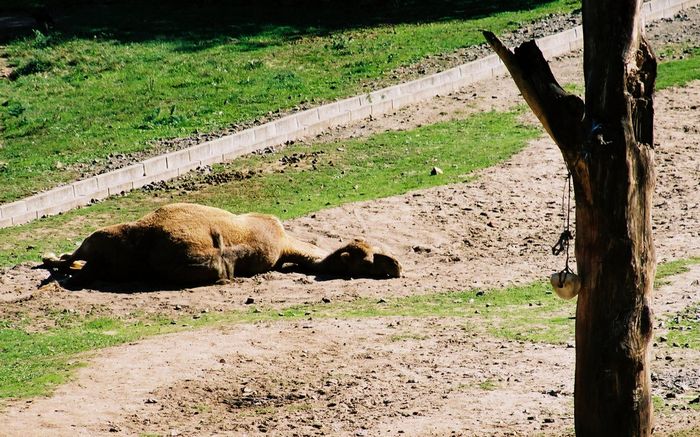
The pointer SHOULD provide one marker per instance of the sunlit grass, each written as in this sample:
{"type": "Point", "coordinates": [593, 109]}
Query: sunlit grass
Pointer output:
{"type": "Point", "coordinates": [96, 86]}
{"type": "Point", "coordinates": [381, 165]}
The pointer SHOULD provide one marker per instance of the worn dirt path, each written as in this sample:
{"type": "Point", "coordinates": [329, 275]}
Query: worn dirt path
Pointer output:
{"type": "Point", "coordinates": [381, 376]}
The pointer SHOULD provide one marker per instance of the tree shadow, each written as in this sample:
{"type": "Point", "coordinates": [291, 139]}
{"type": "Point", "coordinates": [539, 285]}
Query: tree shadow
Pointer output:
{"type": "Point", "coordinates": [196, 25]}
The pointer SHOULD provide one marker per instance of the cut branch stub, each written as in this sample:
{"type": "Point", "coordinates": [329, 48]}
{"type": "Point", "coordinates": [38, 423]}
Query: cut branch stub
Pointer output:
{"type": "Point", "coordinates": [561, 113]}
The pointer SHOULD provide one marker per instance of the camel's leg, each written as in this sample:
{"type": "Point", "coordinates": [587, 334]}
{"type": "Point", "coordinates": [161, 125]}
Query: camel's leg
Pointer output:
{"type": "Point", "coordinates": [82, 276]}
{"type": "Point", "coordinates": [194, 274]}
{"type": "Point", "coordinates": [305, 255]}
{"type": "Point", "coordinates": [215, 266]}
{"type": "Point", "coordinates": [66, 263]}
{"type": "Point", "coordinates": [51, 261]}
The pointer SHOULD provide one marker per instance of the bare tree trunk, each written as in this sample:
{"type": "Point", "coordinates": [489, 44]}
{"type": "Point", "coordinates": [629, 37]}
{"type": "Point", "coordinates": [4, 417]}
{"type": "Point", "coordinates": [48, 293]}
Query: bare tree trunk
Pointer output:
{"type": "Point", "coordinates": [607, 145]}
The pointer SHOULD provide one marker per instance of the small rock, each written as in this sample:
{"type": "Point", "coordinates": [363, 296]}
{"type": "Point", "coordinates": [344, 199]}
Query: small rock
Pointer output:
{"type": "Point", "coordinates": [249, 301]}
{"type": "Point", "coordinates": [421, 249]}
{"type": "Point", "coordinates": [548, 420]}
{"type": "Point", "coordinates": [150, 401]}
{"type": "Point", "coordinates": [326, 300]}
{"type": "Point", "coordinates": [435, 171]}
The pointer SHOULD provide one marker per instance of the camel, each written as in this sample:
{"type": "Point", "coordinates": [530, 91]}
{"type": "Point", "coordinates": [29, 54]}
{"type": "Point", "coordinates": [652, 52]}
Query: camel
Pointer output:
{"type": "Point", "coordinates": [185, 244]}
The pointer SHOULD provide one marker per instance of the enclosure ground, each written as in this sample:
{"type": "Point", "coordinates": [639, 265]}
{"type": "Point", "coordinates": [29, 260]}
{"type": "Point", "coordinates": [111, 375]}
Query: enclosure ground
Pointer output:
{"type": "Point", "coordinates": [384, 376]}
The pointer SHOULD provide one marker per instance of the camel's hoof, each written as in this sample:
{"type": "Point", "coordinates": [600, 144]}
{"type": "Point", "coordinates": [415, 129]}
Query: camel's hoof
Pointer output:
{"type": "Point", "coordinates": [77, 265]}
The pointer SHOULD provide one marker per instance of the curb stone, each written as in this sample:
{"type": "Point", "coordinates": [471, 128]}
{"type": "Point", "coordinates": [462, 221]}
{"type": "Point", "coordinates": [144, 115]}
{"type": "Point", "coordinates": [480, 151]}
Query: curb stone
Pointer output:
{"type": "Point", "coordinates": [292, 127]}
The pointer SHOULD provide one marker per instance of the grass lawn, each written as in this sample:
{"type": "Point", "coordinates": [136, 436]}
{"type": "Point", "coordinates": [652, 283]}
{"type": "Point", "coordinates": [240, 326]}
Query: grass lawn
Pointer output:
{"type": "Point", "coordinates": [382, 165]}
{"type": "Point", "coordinates": [345, 171]}
{"type": "Point", "coordinates": [109, 81]}
{"type": "Point", "coordinates": [679, 72]}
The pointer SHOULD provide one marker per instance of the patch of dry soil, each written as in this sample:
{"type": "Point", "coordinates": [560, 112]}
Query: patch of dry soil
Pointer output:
{"type": "Point", "coordinates": [383, 376]}
{"type": "Point", "coordinates": [373, 377]}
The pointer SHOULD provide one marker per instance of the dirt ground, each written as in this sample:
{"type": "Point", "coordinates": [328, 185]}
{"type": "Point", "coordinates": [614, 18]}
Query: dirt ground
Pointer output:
{"type": "Point", "coordinates": [351, 377]}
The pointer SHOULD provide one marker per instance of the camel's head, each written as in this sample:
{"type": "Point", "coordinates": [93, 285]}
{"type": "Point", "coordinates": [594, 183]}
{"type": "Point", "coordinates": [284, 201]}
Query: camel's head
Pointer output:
{"type": "Point", "coordinates": [358, 260]}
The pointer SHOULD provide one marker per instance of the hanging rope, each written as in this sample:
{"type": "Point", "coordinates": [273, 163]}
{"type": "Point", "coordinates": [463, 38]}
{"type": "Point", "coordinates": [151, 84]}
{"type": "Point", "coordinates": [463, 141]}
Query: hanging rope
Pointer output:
{"type": "Point", "coordinates": [562, 245]}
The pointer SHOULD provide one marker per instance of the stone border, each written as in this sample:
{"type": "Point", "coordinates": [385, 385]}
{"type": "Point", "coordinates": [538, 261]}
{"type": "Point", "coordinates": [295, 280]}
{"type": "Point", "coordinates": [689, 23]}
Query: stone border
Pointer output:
{"type": "Point", "coordinates": [291, 127]}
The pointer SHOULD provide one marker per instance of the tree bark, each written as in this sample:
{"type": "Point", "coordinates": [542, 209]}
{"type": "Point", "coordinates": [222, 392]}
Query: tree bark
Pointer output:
{"type": "Point", "coordinates": [607, 145]}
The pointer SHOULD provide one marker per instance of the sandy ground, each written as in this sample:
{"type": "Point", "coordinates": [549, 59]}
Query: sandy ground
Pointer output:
{"type": "Point", "coordinates": [352, 377]}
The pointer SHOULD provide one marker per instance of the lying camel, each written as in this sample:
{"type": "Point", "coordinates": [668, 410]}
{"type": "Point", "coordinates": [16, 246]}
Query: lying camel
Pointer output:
{"type": "Point", "coordinates": [187, 244]}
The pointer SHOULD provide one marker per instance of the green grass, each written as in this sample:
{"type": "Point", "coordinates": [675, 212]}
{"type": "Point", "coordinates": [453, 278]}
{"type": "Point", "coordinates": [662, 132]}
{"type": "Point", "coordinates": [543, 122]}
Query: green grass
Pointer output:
{"type": "Point", "coordinates": [684, 328]}
{"type": "Point", "coordinates": [31, 363]}
{"type": "Point", "coordinates": [690, 432]}
{"type": "Point", "coordinates": [104, 82]}
{"type": "Point", "coordinates": [674, 72]}
{"type": "Point", "coordinates": [658, 403]}
{"type": "Point", "coordinates": [679, 72]}
{"type": "Point", "coordinates": [360, 169]}
{"type": "Point", "coordinates": [405, 336]}
{"type": "Point", "coordinates": [672, 268]}
{"type": "Point", "coordinates": [488, 385]}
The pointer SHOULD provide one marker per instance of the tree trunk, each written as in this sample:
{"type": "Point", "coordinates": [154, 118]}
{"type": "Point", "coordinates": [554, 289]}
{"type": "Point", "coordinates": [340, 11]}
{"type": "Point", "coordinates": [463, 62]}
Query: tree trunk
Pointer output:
{"type": "Point", "coordinates": [607, 145]}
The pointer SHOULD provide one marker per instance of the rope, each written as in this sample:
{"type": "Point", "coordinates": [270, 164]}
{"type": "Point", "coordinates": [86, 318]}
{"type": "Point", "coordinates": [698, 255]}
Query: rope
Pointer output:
{"type": "Point", "coordinates": [562, 245]}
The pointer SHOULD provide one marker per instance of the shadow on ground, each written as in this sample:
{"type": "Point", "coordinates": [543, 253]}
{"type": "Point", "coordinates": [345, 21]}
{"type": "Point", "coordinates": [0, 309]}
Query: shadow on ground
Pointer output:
{"type": "Point", "coordinates": [200, 24]}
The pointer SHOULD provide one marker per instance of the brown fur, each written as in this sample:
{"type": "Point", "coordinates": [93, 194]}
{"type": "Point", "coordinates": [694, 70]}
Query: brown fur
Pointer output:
{"type": "Point", "coordinates": [188, 244]}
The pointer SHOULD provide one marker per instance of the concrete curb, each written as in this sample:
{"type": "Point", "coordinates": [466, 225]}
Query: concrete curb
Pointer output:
{"type": "Point", "coordinates": [291, 127]}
